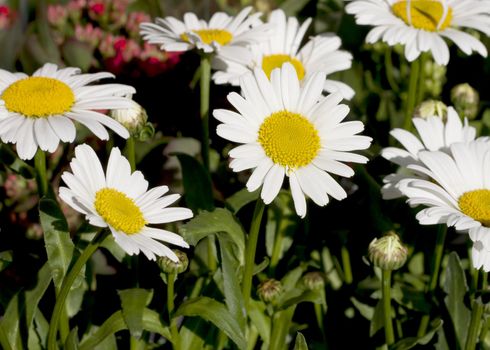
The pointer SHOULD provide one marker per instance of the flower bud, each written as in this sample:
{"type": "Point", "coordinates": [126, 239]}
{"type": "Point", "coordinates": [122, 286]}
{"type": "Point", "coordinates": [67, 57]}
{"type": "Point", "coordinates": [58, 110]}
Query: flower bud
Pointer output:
{"type": "Point", "coordinates": [431, 108]}
{"type": "Point", "coordinates": [388, 252]}
{"type": "Point", "coordinates": [269, 290]}
{"type": "Point", "coordinates": [435, 77]}
{"type": "Point", "coordinates": [169, 266]}
{"type": "Point", "coordinates": [466, 100]}
{"type": "Point", "coordinates": [134, 118]}
{"type": "Point", "coordinates": [314, 280]}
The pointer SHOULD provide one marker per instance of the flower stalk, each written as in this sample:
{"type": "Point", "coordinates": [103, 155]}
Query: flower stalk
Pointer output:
{"type": "Point", "coordinates": [386, 282]}
{"type": "Point", "coordinates": [171, 277]}
{"type": "Point", "coordinates": [205, 83]}
{"type": "Point", "coordinates": [412, 93]}
{"type": "Point", "coordinates": [41, 174]}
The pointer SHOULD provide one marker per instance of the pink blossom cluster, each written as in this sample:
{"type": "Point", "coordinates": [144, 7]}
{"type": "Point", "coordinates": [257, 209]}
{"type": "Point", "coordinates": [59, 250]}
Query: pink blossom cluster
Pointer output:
{"type": "Point", "coordinates": [7, 17]}
{"type": "Point", "coordinates": [112, 32]}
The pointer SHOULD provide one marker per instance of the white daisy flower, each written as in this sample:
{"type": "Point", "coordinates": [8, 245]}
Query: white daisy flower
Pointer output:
{"type": "Point", "coordinates": [39, 110]}
{"type": "Point", "coordinates": [458, 194]}
{"type": "Point", "coordinates": [421, 25]}
{"type": "Point", "coordinates": [434, 135]}
{"type": "Point", "coordinates": [121, 201]}
{"type": "Point", "coordinates": [288, 129]}
{"type": "Point", "coordinates": [320, 54]}
{"type": "Point", "coordinates": [223, 33]}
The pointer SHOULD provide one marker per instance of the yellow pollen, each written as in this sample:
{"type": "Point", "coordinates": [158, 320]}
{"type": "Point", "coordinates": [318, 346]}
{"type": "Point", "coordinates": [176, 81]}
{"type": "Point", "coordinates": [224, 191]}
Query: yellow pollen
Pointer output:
{"type": "Point", "coordinates": [207, 36]}
{"type": "Point", "coordinates": [119, 211]}
{"type": "Point", "coordinates": [38, 97]}
{"type": "Point", "coordinates": [423, 14]}
{"type": "Point", "coordinates": [271, 62]}
{"type": "Point", "coordinates": [289, 139]}
{"type": "Point", "coordinates": [476, 204]}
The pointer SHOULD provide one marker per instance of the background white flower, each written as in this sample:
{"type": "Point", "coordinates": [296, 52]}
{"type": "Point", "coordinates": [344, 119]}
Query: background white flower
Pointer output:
{"type": "Point", "coordinates": [288, 129]}
{"type": "Point", "coordinates": [434, 135]}
{"type": "Point", "coordinates": [319, 54]}
{"type": "Point", "coordinates": [421, 25]}
{"type": "Point", "coordinates": [223, 33]}
{"type": "Point", "coordinates": [121, 201]}
{"type": "Point", "coordinates": [457, 193]}
{"type": "Point", "coordinates": [39, 110]}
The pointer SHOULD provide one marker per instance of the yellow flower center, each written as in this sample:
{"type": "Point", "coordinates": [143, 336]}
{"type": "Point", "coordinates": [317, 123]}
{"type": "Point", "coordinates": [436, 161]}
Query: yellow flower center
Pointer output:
{"type": "Point", "coordinates": [119, 211]}
{"type": "Point", "coordinates": [38, 97]}
{"type": "Point", "coordinates": [476, 204]}
{"type": "Point", "coordinates": [289, 139]}
{"type": "Point", "coordinates": [271, 62]}
{"type": "Point", "coordinates": [423, 14]}
{"type": "Point", "coordinates": [207, 36]}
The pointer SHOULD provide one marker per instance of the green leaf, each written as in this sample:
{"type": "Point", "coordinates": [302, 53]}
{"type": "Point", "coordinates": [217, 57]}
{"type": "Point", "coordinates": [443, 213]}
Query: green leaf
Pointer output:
{"type": "Point", "coordinates": [133, 304]}
{"type": "Point", "coordinates": [208, 223]}
{"type": "Point", "coordinates": [116, 323]}
{"type": "Point", "coordinates": [197, 184]}
{"type": "Point", "coordinates": [377, 322]}
{"type": "Point", "coordinates": [72, 342]}
{"type": "Point", "coordinates": [59, 245]}
{"type": "Point", "coordinates": [241, 198]}
{"type": "Point", "coordinates": [290, 280]}
{"type": "Point", "coordinates": [456, 287]}
{"type": "Point", "coordinates": [230, 266]}
{"type": "Point", "coordinates": [216, 313]}
{"type": "Point", "coordinates": [292, 7]}
{"type": "Point", "coordinates": [365, 310]}
{"type": "Point", "coordinates": [21, 309]}
{"type": "Point", "coordinates": [312, 296]}
{"type": "Point", "coordinates": [411, 342]}
{"type": "Point", "coordinates": [77, 54]}
{"type": "Point", "coordinates": [5, 259]}
{"type": "Point", "coordinates": [300, 343]}
{"type": "Point", "coordinates": [14, 163]}
{"type": "Point", "coordinates": [260, 320]}
{"type": "Point", "coordinates": [280, 328]}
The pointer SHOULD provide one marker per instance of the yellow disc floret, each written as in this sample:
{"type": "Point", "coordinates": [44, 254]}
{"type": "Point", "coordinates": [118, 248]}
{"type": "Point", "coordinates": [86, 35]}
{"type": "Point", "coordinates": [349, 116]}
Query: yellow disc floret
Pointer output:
{"type": "Point", "coordinates": [271, 62]}
{"type": "Point", "coordinates": [476, 204]}
{"type": "Point", "coordinates": [207, 36]}
{"type": "Point", "coordinates": [38, 97]}
{"type": "Point", "coordinates": [429, 15]}
{"type": "Point", "coordinates": [289, 139]}
{"type": "Point", "coordinates": [119, 211]}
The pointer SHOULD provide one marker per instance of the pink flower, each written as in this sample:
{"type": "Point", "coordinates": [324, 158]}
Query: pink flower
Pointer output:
{"type": "Point", "coordinates": [57, 15]}
{"type": "Point", "coordinates": [97, 8]}
{"type": "Point", "coordinates": [7, 17]}
{"type": "Point", "coordinates": [88, 34]}
{"type": "Point", "coordinates": [134, 21]}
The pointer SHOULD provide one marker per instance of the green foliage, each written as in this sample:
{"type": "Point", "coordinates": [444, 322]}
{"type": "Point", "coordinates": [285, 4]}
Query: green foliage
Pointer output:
{"type": "Point", "coordinates": [133, 304]}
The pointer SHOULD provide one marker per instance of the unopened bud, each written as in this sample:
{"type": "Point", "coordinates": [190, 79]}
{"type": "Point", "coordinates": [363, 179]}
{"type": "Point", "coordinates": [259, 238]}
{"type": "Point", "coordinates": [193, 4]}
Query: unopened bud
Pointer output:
{"type": "Point", "coordinates": [269, 290]}
{"type": "Point", "coordinates": [466, 100]}
{"type": "Point", "coordinates": [134, 118]}
{"type": "Point", "coordinates": [169, 266]}
{"type": "Point", "coordinates": [314, 280]}
{"type": "Point", "coordinates": [388, 252]}
{"type": "Point", "coordinates": [431, 108]}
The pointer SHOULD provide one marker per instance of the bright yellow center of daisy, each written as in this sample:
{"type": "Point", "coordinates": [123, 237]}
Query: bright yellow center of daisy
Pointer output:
{"type": "Point", "coordinates": [423, 14]}
{"type": "Point", "coordinates": [289, 139]}
{"type": "Point", "coordinates": [207, 36]}
{"type": "Point", "coordinates": [271, 62]}
{"type": "Point", "coordinates": [476, 204]}
{"type": "Point", "coordinates": [38, 97]}
{"type": "Point", "coordinates": [119, 211]}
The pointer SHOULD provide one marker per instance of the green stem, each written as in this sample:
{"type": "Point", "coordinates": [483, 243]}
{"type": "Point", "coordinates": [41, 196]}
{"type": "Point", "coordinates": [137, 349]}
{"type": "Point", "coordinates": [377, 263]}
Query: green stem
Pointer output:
{"type": "Point", "coordinates": [205, 83]}
{"type": "Point", "coordinates": [434, 277]}
{"type": "Point", "coordinates": [41, 177]}
{"type": "Point", "coordinates": [344, 252]}
{"type": "Point", "coordinates": [412, 93]}
{"type": "Point", "coordinates": [4, 340]}
{"type": "Point", "coordinates": [212, 263]}
{"type": "Point", "coordinates": [386, 281]}
{"type": "Point", "coordinates": [476, 317]}
{"type": "Point", "coordinates": [171, 277]}
{"type": "Point", "coordinates": [421, 84]}
{"type": "Point", "coordinates": [389, 71]}
{"type": "Point", "coordinates": [250, 251]}
{"type": "Point", "coordinates": [67, 283]}
{"type": "Point", "coordinates": [130, 152]}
